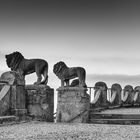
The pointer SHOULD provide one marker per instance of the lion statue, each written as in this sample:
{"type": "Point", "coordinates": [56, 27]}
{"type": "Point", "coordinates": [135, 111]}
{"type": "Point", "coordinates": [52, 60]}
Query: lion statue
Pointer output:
{"type": "Point", "coordinates": [65, 73]}
{"type": "Point", "coordinates": [18, 63]}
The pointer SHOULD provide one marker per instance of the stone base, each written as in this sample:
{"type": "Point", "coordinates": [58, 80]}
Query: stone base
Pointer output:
{"type": "Point", "coordinates": [73, 105]}
{"type": "Point", "coordinates": [40, 102]}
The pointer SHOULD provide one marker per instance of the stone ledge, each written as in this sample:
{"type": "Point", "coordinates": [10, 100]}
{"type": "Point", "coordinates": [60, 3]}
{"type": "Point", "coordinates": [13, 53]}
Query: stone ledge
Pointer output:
{"type": "Point", "coordinates": [34, 87]}
{"type": "Point", "coordinates": [71, 88]}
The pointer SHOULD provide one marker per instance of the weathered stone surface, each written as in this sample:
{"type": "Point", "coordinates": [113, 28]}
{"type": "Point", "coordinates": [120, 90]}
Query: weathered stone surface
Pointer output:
{"type": "Point", "coordinates": [136, 96]}
{"type": "Point", "coordinates": [13, 78]}
{"type": "Point", "coordinates": [115, 96]}
{"type": "Point", "coordinates": [40, 102]}
{"type": "Point", "coordinates": [100, 95]}
{"type": "Point", "coordinates": [12, 98]}
{"type": "Point", "coordinates": [73, 104]}
{"type": "Point", "coordinates": [5, 104]}
{"type": "Point", "coordinates": [127, 95]}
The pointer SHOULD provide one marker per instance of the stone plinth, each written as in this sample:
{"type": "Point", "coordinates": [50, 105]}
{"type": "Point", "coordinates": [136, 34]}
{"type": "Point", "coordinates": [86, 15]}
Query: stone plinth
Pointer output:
{"type": "Point", "coordinates": [73, 104]}
{"type": "Point", "coordinates": [40, 102]}
{"type": "Point", "coordinates": [12, 93]}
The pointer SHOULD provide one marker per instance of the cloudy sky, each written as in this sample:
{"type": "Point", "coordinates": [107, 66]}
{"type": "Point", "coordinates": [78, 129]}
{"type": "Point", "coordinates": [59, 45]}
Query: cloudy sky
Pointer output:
{"type": "Point", "coordinates": [100, 35]}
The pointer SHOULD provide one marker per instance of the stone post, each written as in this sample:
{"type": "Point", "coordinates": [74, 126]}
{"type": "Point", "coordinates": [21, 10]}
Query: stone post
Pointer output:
{"type": "Point", "coordinates": [73, 104]}
{"type": "Point", "coordinates": [40, 102]}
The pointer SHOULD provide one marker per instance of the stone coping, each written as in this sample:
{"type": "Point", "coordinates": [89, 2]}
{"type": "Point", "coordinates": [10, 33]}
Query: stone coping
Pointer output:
{"type": "Point", "coordinates": [71, 88]}
{"type": "Point", "coordinates": [34, 87]}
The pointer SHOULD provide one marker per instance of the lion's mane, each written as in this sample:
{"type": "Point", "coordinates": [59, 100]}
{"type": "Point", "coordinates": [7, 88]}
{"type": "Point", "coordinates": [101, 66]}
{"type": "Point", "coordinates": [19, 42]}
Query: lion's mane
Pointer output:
{"type": "Point", "coordinates": [60, 69]}
{"type": "Point", "coordinates": [13, 60]}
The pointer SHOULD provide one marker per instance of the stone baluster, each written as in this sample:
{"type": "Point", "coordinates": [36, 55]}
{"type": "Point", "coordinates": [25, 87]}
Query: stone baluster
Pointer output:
{"type": "Point", "coordinates": [100, 95]}
{"type": "Point", "coordinates": [115, 96]}
{"type": "Point", "coordinates": [136, 96]}
{"type": "Point", "coordinates": [127, 95]}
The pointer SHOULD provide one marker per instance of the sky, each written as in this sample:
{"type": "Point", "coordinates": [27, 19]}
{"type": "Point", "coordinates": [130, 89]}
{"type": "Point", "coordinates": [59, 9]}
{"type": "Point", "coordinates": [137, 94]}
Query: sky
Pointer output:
{"type": "Point", "coordinates": [100, 35]}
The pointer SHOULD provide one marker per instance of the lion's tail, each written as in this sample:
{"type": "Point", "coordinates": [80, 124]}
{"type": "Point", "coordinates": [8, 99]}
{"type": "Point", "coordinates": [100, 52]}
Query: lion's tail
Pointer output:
{"type": "Point", "coordinates": [45, 81]}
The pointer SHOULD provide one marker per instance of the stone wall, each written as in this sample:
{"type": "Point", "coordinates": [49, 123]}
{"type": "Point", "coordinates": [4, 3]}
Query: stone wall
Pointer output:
{"type": "Point", "coordinates": [40, 102]}
{"type": "Point", "coordinates": [12, 94]}
{"type": "Point", "coordinates": [73, 104]}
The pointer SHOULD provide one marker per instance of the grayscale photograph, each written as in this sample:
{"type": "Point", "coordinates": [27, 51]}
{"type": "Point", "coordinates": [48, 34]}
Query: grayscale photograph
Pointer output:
{"type": "Point", "coordinates": [69, 69]}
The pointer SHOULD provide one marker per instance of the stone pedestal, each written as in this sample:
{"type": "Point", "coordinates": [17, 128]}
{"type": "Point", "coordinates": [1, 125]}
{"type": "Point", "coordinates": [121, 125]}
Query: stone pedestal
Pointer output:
{"type": "Point", "coordinates": [40, 102]}
{"type": "Point", "coordinates": [15, 91]}
{"type": "Point", "coordinates": [73, 104]}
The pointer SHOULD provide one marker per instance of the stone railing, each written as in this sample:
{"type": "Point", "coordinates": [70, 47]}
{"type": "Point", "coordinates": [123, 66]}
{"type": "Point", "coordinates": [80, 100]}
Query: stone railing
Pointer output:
{"type": "Point", "coordinates": [102, 96]}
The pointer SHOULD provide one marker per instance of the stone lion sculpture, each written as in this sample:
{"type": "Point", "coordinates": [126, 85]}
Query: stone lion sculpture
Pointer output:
{"type": "Point", "coordinates": [66, 73]}
{"type": "Point", "coordinates": [18, 63]}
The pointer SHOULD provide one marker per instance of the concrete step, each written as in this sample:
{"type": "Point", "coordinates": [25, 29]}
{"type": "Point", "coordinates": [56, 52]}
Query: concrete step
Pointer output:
{"type": "Point", "coordinates": [123, 115]}
{"type": "Point", "coordinates": [115, 121]}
